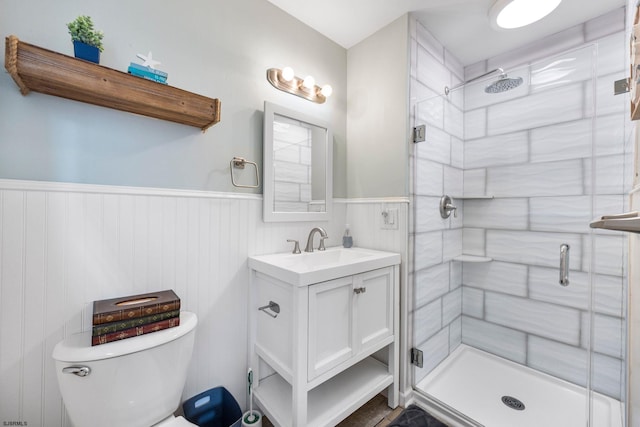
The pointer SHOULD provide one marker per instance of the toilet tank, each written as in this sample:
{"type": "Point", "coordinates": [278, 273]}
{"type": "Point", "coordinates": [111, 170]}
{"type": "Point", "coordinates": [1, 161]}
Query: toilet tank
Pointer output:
{"type": "Point", "coordinates": [135, 382]}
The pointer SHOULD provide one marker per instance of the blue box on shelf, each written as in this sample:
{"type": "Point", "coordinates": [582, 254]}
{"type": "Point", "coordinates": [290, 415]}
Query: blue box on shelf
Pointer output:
{"type": "Point", "coordinates": [213, 408]}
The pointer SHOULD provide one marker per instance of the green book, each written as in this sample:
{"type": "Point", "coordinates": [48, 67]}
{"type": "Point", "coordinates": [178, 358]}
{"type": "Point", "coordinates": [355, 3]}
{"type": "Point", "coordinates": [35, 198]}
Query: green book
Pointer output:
{"type": "Point", "coordinates": [107, 328]}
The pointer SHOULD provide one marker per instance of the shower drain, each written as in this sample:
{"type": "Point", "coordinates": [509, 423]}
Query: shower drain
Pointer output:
{"type": "Point", "coordinates": [513, 403]}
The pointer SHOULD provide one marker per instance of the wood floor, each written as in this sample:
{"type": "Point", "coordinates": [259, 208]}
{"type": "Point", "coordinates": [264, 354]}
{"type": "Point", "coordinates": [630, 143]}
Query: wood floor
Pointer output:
{"type": "Point", "coordinates": [374, 413]}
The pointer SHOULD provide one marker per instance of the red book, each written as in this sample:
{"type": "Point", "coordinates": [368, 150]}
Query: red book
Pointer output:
{"type": "Point", "coordinates": [134, 332]}
{"type": "Point", "coordinates": [133, 306]}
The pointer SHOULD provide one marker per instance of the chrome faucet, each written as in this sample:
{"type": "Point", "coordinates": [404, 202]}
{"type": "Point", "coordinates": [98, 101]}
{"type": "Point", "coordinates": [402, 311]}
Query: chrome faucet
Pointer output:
{"type": "Point", "coordinates": [323, 235]}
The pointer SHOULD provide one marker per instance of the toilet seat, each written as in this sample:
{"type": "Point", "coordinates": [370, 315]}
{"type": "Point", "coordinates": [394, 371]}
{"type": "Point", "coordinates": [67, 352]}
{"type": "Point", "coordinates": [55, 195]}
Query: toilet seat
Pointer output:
{"type": "Point", "coordinates": [174, 422]}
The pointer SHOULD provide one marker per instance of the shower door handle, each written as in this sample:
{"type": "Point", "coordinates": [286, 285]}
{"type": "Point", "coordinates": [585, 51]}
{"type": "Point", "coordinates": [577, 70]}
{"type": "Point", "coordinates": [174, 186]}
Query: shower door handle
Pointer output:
{"type": "Point", "coordinates": [564, 264]}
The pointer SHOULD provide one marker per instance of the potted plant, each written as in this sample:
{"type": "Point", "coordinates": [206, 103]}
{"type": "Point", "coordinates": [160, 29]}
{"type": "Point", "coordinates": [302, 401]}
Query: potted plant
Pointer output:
{"type": "Point", "coordinates": [87, 41]}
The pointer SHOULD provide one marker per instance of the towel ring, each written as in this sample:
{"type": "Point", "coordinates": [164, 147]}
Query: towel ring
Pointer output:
{"type": "Point", "coordinates": [239, 163]}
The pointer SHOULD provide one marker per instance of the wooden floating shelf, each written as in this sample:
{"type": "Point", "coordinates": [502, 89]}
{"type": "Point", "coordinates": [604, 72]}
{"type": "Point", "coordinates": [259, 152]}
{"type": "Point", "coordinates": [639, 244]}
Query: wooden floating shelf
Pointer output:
{"type": "Point", "coordinates": [40, 70]}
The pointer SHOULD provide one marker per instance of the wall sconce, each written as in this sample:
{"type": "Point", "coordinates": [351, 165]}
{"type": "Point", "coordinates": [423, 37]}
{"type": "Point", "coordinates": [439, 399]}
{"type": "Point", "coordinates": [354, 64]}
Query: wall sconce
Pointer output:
{"type": "Point", "coordinates": [306, 88]}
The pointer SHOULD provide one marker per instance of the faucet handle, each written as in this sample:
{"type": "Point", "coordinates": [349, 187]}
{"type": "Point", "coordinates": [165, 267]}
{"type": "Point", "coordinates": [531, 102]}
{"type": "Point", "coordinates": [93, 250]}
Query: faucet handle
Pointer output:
{"type": "Point", "coordinates": [322, 239]}
{"type": "Point", "coordinates": [296, 248]}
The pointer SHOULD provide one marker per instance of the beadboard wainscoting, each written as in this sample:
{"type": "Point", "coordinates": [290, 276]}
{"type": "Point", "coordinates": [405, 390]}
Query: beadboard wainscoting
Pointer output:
{"type": "Point", "coordinates": [62, 246]}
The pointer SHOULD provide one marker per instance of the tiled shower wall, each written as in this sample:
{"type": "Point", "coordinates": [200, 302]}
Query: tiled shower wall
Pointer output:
{"type": "Point", "coordinates": [529, 148]}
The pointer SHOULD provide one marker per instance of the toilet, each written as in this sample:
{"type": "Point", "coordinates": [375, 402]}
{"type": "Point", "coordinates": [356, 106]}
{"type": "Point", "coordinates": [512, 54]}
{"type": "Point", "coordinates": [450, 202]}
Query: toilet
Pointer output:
{"type": "Point", "coordinates": [135, 382]}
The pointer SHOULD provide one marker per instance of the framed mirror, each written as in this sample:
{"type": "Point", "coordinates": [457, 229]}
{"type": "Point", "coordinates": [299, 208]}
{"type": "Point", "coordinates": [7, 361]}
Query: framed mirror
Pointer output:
{"type": "Point", "coordinates": [297, 166]}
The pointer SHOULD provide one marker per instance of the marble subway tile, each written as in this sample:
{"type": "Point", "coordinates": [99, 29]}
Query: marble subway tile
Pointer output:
{"type": "Point", "coordinates": [427, 320]}
{"type": "Point", "coordinates": [538, 179]}
{"type": "Point", "coordinates": [473, 241]}
{"type": "Point", "coordinates": [431, 284]}
{"type": "Point", "coordinates": [436, 147]}
{"type": "Point", "coordinates": [609, 255]}
{"type": "Point", "coordinates": [455, 277]}
{"type": "Point", "coordinates": [291, 172]}
{"type": "Point", "coordinates": [472, 302]}
{"type": "Point", "coordinates": [496, 213]}
{"type": "Point", "coordinates": [610, 135]}
{"type": "Point", "coordinates": [539, 318]}
{"type": "Point", "coordinates": [497, 150]}
{"type": "Point", "coordinates": [457, 153]}
{"type": "Point", "coordinates": [435, 351]}
{"type": "Point", "coordinates": [495, 339]}
{"type": "Point", "coordinates": [453, 120]}
{"type": "Point", "coordinates": [611, 51]}
{"type": "Point", "coordinates": [430, 110]}
{"type": "Point", "coordinates": [454, 65]}
{"type": "Point", "coordinates": [533, 248]}
{"type": "Point", "coordinates": [451, 306]}
{"type": "Point", "coordinates": [557, 359]}
{"type": "Point", "coordinates": [544, 286]}
{"type": "Point", "coordinates": [452, 244]}
{"type": "Point", "coordinates": [612, 22]}
{"type": "Point", "coordinates": [564, 141]}
{"type": "Point", "coordinates": [563, 214]}
{"type": "Point", "coordinates": [608, 375]}
{"type": "Point", "coordinates": [475, 123]}
{"type": "Point", "coordinates": [610, 172]}
{"type": "Point", "coordinates": [453, 182]}
{"type": "Point", "coordinates": [609, 295]}
{"type": "Point", "coordinates": [455, 334]}
{"type": "Point", "coordinates": [428, 249]}
{"type": "Point", "coordinates": [607, 101]}
{"type": "Point", "coordinates": [536, 110]}
{"type": "Point", "coordinates": [475, 182]}
{"type": "Point", "coordinates": [429, 178]}
{"type": "Point", "coordinates": [608, 335]}
{"type": "Point", "coordinates": [496, 276]}
{"type": "Point", "coordinates": [570, 67]}
{"type": "Point", "coordinates": [429, 42]}
{"type": "Point", "coordinates": [541, 48]}
{"type": "Point", "coordinates": [429, 218]}
{"type": "Point", "coordinates": [431, 72]}
{"type": "Point", "coordinates": [287, 192]}
{"type": "Point", "coordinates": [475, 70]}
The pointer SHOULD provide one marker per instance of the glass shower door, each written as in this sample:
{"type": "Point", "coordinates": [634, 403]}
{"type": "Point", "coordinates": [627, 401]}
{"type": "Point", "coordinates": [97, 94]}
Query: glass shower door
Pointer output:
{"type": "Point", "coordinates": [527, 170]}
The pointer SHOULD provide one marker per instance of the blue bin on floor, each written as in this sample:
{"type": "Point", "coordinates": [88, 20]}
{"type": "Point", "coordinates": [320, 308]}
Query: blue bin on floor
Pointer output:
{"type": "Point", "coordinates": [213, 408]}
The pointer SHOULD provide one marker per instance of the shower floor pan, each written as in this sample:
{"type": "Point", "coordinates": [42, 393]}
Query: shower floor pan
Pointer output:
{"type": "Point", "coordinates": [483, 387]}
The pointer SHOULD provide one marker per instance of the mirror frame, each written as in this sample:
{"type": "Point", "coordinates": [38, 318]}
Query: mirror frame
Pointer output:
{"type": "Point", "coordinates": [270, 110]}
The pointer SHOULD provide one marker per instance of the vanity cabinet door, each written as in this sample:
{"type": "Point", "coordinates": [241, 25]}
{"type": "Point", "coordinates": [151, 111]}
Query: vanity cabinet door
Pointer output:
{"type": "Point", "coordinates": [373, 309]}
{"type": "Point", "coordinates": [331, 324]}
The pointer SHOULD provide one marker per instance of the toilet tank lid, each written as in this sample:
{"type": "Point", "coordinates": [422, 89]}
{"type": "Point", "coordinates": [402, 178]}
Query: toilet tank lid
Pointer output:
{"type": "Point", "coordinates": [78, 348]}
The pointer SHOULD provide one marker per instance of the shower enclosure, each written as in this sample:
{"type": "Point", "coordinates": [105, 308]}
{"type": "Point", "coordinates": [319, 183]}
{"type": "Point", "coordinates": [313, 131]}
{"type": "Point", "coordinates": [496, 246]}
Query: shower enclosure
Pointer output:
{"type": "Point", "coordinates": [502, 334]}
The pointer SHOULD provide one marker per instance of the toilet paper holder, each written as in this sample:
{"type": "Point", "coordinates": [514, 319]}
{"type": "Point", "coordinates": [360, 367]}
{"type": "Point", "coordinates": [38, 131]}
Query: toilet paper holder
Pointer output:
{"type": "Point", "coordinates": [273, 306]}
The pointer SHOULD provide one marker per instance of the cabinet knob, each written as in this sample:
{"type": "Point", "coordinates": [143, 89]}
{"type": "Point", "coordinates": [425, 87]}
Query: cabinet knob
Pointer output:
{"type": "Point", "coordinates": [361, 290]}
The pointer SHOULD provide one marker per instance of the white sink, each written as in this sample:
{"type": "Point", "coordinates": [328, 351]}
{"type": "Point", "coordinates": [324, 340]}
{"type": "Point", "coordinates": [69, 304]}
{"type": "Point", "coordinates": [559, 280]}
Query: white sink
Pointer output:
{"type": "Point", "coordinates": [319, 266]}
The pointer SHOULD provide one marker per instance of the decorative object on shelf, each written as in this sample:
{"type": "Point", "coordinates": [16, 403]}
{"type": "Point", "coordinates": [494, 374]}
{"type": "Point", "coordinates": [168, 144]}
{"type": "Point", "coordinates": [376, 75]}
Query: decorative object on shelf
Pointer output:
{"type": "Point", "coordinates": [87, 41]}
{"type": "Point", "coordinates": [148, 69]}
{"type": "Point", "coordinates": [41, 70]}
{"type": "Point", "coordinates": [285, 80]}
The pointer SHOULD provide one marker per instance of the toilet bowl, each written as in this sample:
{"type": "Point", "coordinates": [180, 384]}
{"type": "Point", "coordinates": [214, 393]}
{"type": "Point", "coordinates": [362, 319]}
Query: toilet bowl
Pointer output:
{"type": "Point", "coordinates": [135, 382]}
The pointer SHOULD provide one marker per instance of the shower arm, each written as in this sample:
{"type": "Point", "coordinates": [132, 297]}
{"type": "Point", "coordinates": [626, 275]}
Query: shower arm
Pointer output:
{"type": "Point", "coordinates": [447, 89]}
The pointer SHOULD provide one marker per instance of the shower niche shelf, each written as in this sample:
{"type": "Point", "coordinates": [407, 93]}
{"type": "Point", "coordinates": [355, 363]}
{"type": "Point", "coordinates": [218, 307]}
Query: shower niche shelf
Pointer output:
{"type": "Point", "coordinates": [472, 258]}
{"type": "Point", "coordinates": [41, 70]}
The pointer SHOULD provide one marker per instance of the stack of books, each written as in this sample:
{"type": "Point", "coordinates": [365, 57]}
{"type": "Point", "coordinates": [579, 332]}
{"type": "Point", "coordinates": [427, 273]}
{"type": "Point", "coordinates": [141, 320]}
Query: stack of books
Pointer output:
{"type": "Point", "coordinates": [119, 318]}
{"type": "Point", "coordinates": [148, 73]}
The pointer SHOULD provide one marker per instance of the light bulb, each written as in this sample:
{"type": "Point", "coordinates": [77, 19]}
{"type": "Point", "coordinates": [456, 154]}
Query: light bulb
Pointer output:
{"type": "Point", "coordinates": [287, 74]}
{"type": "Point", "coordinates": [309, 82]}
{"type": "Point", "coordinates": [326, 91]}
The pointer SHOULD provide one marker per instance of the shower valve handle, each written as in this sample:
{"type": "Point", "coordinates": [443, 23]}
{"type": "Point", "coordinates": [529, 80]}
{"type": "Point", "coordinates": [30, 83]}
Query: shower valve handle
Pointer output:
{"type": "Point", "coordinates": [446, 206]}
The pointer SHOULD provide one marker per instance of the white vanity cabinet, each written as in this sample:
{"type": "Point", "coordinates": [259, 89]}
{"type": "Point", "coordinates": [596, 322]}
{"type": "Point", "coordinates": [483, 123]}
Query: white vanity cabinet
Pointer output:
{"type": "Point", "coordinates": [313, 359]}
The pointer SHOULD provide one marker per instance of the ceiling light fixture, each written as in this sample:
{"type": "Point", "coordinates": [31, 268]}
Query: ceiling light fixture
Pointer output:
{"type": "Point", "coordinates": [508, 14]}
{"type": "Point", "coordinates": [306, 88]}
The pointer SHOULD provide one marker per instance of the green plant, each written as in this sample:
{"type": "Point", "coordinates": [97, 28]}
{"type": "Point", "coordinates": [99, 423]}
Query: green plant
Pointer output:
{"type": "Point", "coordinates": [81, 29]}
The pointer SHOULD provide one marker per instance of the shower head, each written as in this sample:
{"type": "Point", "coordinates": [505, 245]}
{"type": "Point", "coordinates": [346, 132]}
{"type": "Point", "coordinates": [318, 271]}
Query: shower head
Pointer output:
{"type": "Point", "coordinates": [503, 84]}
